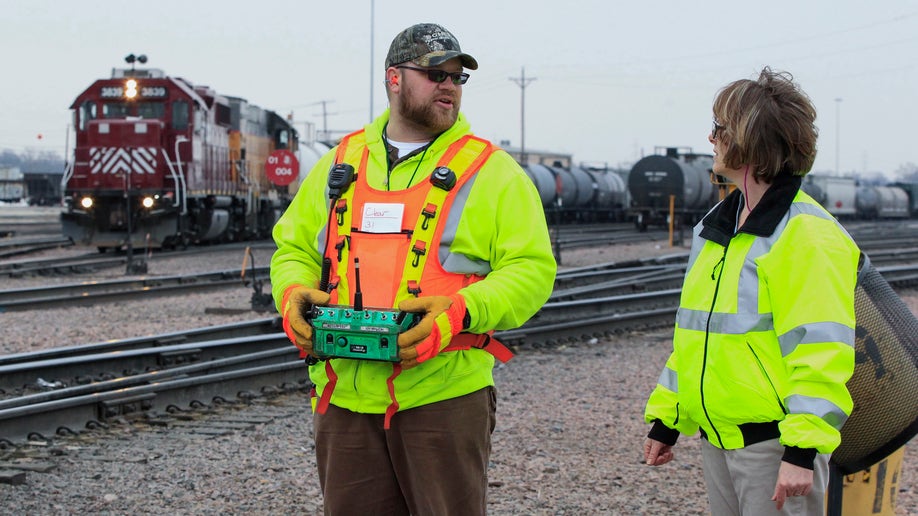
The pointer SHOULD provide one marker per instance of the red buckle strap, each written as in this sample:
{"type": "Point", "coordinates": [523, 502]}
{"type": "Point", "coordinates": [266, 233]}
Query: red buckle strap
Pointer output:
{"type": "Point", "coordinates": [325, 399]}
{"type": "Point", "coordinates": [393, 407]}
{"type": "Point", "coordinates": [462, 341]}
{"type": "Point", "coordinates": [482, 341]}
{"type": "Point", "coordinates": [339, 245]}
{"type": "Point", "coordinates": [429, 212]}
{"type": "Point", "coordinates": [419, 250]}
{"type": "Point", "coordinates": [340, 209]}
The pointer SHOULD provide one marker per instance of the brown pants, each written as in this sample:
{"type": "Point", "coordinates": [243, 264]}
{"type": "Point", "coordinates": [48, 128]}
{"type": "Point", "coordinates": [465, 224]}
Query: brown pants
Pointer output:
{"type": "Point", "coordinates": [433, 460]}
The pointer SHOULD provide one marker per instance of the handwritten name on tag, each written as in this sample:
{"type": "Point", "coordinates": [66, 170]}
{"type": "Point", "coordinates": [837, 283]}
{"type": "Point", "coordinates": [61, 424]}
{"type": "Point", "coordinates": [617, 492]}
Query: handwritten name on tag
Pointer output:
{"type": "Point", "coordinates": [382, 217]}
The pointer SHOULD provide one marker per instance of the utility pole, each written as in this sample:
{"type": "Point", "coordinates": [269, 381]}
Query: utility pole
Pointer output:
{"type": "Point", "coordinates": [522, 82]}
{"type": "Point", "coordinates": [325, 114]}
{"type": "Point", "coordinates": [372, 39]}
{"type": "Point", "coordinates": [837, 133]}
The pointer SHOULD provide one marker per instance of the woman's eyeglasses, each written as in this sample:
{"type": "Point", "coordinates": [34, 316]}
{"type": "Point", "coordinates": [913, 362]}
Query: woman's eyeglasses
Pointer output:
{"type": "Point", "coordinates": [717, 128]}
{"type": "Point", "coordinates": [438, 76]}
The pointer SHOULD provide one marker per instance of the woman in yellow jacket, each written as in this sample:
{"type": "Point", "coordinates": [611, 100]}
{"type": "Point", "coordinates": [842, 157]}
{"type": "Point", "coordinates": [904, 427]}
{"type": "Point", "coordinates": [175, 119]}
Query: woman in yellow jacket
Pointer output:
{"type": "Point", "coordinates": [764, 336]}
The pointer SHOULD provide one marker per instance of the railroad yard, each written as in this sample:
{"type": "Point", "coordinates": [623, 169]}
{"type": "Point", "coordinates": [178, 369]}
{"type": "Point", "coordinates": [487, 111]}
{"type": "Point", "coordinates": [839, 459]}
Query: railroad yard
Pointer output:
{"type": "Point", "coordinates": [569, 425]}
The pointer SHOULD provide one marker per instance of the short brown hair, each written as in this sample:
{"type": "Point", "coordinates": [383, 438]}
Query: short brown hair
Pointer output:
{"type": "Point", "coordinates": [770, 125]}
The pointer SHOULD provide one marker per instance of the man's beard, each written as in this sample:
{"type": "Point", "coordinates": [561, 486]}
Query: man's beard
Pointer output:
{"type": "Point", "coordinates": [424, 114]}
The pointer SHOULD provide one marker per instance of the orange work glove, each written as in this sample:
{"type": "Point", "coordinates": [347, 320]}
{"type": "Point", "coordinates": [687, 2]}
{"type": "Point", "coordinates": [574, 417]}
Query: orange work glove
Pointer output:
{"type": "Point", "coordinates": [441, 318]}
{"type": "Point", "coordinates": [297, 301]}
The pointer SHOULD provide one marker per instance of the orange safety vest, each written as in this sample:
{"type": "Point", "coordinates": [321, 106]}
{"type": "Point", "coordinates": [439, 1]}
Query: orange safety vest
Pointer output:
{"type": "Point", "coordinates": [349, 236]}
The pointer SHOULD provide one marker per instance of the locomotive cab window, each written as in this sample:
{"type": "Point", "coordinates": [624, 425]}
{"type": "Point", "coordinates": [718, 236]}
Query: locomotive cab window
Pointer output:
{"type": "Point", "coordinates": [115, 110]}
{"type": "Point", "coordinates": [282, 139]}
{"type": "Point", "coordinates": [180, 115]}
{"type": "Point", "coordinates": [86, 113]}
{"type": "Point", "coordinates": [151, 110]}
{"type": "Point", "coordinates": [223, 115]}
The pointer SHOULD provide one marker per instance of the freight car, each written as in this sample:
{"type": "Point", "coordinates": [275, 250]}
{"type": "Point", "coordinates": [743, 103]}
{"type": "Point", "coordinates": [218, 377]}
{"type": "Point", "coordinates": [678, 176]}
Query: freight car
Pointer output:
{"type": "Point", "coordinates": [160, 161]}
{"type": "Point", "coordinates": [911, 190]}
{"type": "Point", "coordinates": [584, 193]}
{"type": "Point", "coordinates": [881, 202]}
{"type": "Point", "coordinates": [43, 189]}
{"type": "Point", "coordinates": [838, 195]}
{"type": "Point", "coordinates": [12, 184]}
{"type": "Point", "coordinates": [672, 174]}
{"type": "Point", "coordinates": [845, 199]}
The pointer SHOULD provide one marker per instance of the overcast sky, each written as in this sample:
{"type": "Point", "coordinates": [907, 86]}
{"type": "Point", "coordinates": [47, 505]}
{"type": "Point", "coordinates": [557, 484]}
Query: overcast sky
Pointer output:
{"type": "Point", "coordinates": [613, 80]}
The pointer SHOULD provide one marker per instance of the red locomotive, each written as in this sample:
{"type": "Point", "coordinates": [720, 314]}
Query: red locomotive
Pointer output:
{"type": "Point", "coordinates": [170, 163]}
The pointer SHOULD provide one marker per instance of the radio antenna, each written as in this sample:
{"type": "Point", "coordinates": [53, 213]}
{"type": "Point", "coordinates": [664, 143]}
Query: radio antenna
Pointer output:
{"type": "Point", "coordinates": [358, 295]}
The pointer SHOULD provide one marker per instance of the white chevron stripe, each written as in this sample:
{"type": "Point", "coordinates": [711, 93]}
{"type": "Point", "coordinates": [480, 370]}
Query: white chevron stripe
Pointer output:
{"type": "Point", "coordinates": [116, 160]}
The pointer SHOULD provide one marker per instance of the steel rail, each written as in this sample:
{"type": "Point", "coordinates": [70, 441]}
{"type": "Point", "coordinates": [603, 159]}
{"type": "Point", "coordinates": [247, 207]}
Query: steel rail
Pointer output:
{"type": "Point", "coordinates": [102, 366]}
{"type": "Point", "coordinates": [90, 261]}
{"type": "Point", "coordinates": [91, 292]}
{"type": "Point", "coordinates": [39, 420]}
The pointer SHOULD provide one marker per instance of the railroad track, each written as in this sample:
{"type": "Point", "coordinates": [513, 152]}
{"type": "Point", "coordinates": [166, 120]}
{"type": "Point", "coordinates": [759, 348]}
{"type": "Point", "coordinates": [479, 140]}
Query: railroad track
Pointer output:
{"type": "Point", "coordinates": [643, 275]}
{"type": "Point", "coordinates": [93, 261]}
{"type": "Point", "coordinates": [575, 237]}
{"type": "Point", "coordinates": [65, 389]}
{"type": "Point", "coordinates": [100, 291]}
{"type": "Point", "coordinates": [19, 245]}
{"type": "Point", "coordinates": [88, 262]}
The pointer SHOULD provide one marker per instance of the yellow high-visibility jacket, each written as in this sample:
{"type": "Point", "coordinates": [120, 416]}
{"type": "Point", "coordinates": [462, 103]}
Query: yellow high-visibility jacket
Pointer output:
{"type": "Point", "coordinates": [500, 234]}
{"type": "Point", "coordinates": [764, 336]}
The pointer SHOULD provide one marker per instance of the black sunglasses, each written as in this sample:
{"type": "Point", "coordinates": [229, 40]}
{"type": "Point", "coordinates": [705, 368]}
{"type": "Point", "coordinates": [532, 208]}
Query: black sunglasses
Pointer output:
{"type": "Point", "coordinates": [439, 76]}
{"type": "Point", "coordinates": [717, 128]}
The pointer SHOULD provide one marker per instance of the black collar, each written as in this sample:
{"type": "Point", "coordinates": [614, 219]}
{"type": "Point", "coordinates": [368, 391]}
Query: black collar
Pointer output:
{"type": "Point", "coordinates": [720, 223]}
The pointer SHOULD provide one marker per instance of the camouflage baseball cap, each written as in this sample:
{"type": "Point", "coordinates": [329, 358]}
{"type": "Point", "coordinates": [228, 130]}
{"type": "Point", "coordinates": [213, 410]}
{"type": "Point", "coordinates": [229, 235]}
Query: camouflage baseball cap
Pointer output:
{"type": "Point", "coordinates": [427, 44]}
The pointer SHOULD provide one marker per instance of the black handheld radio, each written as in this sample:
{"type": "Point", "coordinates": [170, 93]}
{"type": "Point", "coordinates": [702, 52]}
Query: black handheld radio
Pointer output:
{"type": "Point", "coordinates": [340, 177]}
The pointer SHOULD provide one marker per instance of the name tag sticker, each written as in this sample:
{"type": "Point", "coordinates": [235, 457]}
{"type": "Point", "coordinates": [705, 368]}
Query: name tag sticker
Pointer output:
{"type": "Point", "coordinates": [382, 217]}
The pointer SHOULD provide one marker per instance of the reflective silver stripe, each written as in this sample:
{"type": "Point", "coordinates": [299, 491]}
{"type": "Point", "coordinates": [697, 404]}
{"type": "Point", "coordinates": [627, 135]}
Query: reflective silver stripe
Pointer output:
{"type": "Point", "coordinates": [727, 324]}
{"type": "Point", "coordinates": [824, 409]}
{"type": "Point", "coordinates": [461, 264]}
{"type": "Point", "coordinates": [669, 379]}
{"type": "Point", "coordinates": [691, 319]}
{"type": "Point", "coordinates": [814, 333]}
{"type": "Point", "coordinates": [696, 249]}
{"type": "Point", "coordinates": [454, 262]}
{"type": "Point", "coordinates": [322, 237]}
{"type": "Point", "coordinates": [805, 208]}
{"type": "Point", "coordinates": [747, 299]}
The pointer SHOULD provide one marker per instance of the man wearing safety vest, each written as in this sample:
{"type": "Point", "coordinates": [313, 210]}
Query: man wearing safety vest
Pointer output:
{"type": "Point", "coordinates": [444, 225]}
{"type": "Point", "coordinates": [764, 336]}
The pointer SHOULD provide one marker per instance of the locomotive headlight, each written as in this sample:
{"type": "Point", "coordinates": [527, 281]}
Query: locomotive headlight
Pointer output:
{"type": "Point", "coordinates": [147, 202]}
{"type": "Point", "coordinates": [86, 202]}
{"type": "Point", "coordinates": [130, 88]}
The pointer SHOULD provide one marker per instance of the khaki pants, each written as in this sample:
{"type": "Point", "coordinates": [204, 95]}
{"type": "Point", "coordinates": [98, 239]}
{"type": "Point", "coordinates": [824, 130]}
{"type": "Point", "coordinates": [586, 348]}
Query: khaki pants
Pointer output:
{"type": "Point", "coordinates": [433, 460]}
{"type": "Point", "coordinates": [743, 481]}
